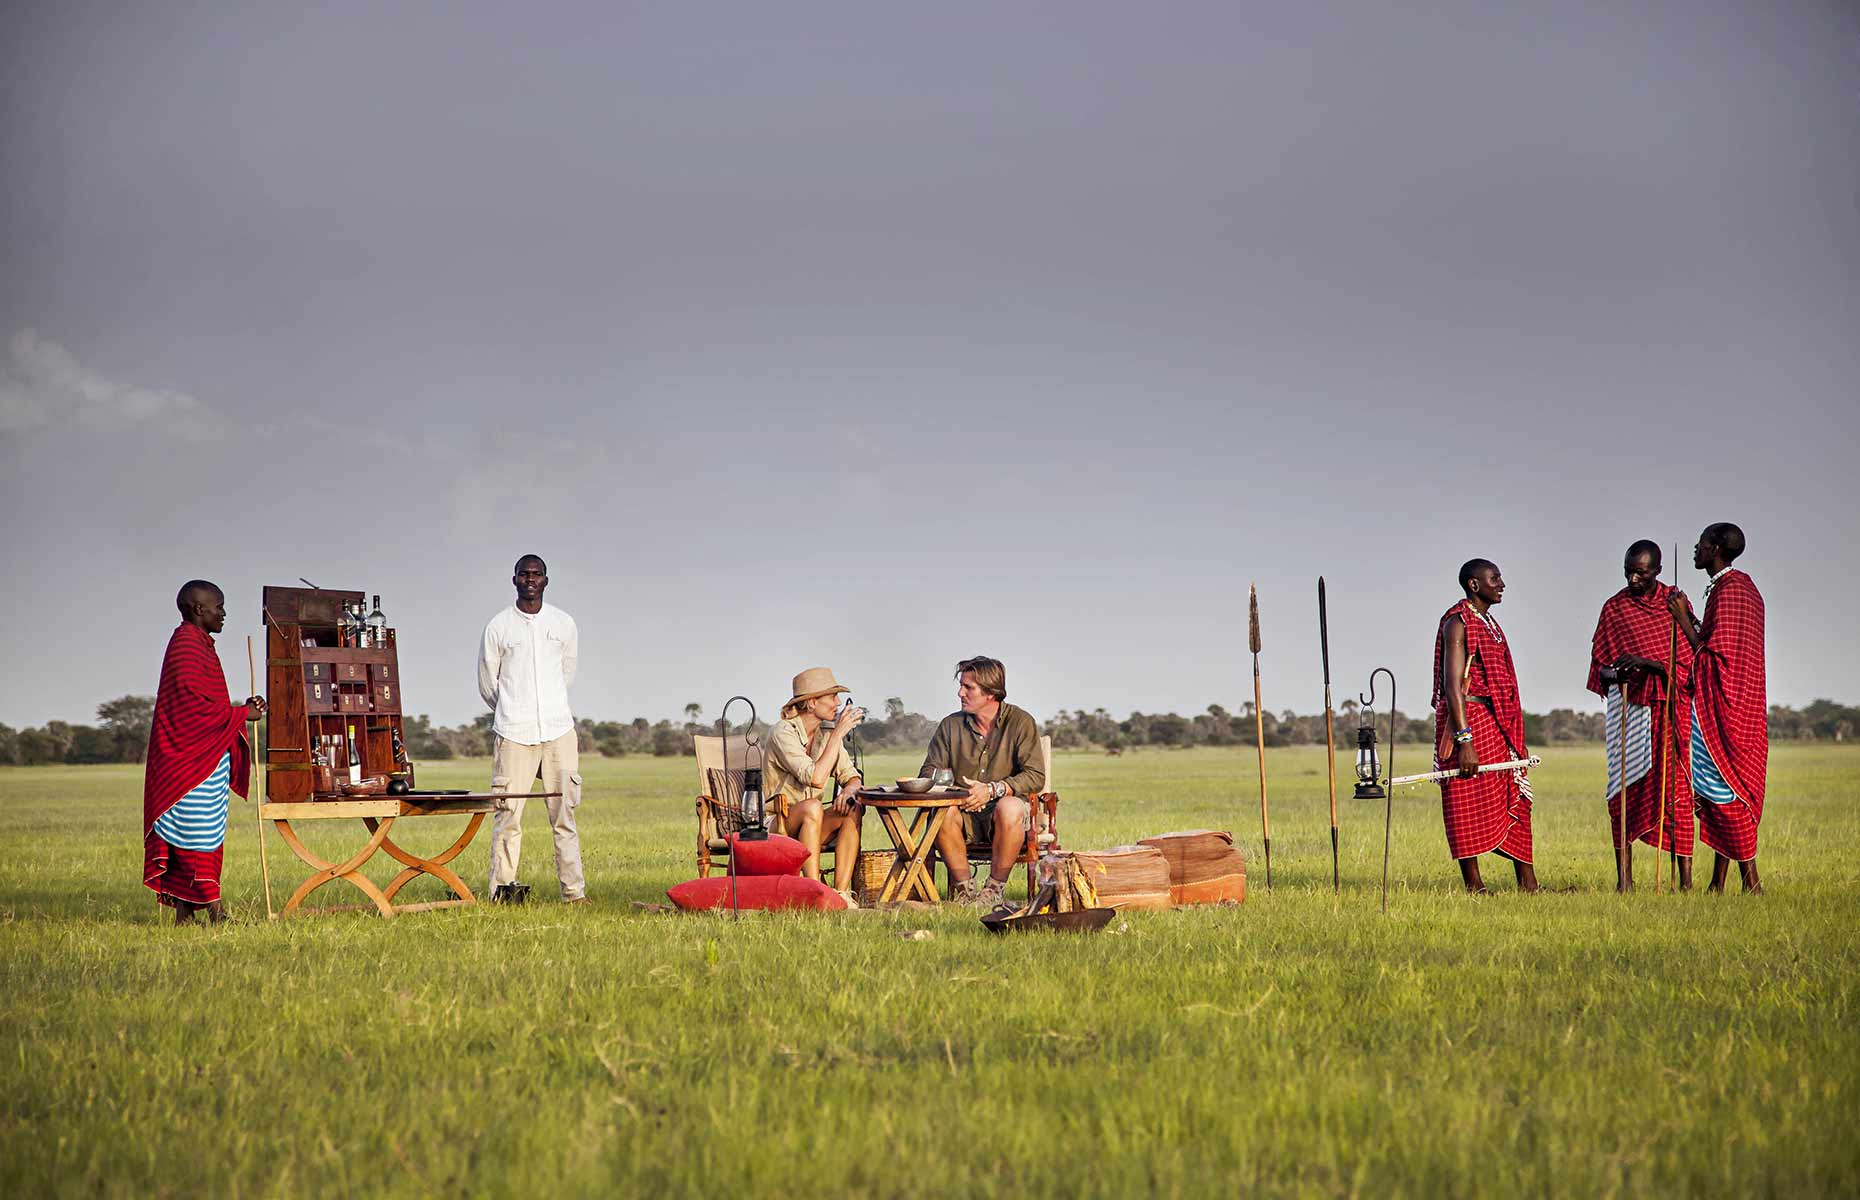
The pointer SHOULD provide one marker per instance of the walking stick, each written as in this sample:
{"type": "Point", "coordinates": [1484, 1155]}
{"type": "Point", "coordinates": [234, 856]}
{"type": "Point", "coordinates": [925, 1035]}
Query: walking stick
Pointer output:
{"type": "Point", "coordinates": [1330, 739]}
{"type": "Point", "coordinates": [1259, 723]}
{"type": "Point", "coordinates": [1624, 853]}
{"type": "Point", "coordinates": [264, 864]}
{"type": "Point", "coordinates": [1672, 720]}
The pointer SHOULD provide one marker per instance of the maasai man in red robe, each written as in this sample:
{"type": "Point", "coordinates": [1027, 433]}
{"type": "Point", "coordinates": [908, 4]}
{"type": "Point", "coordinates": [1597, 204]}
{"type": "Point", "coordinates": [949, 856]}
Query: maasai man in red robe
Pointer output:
{"type": "Point", "coordinates": [1479, 718]}
{"type": "Point", "coordinates": [1632, 638]}
{"type": "Point", "coordinates": [197, 753]}
{"type": "Point", "coordinates": [1730, 706]}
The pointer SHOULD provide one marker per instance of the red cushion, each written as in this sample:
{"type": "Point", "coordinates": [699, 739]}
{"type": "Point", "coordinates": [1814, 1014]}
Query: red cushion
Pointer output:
{"type": "Point", "coordinates": [773, 855]}
{"type": "Point", "coordinates": [757, 891]}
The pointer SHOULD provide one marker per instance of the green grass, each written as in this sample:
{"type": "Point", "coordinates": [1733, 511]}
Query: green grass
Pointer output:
{"type": "Point", "coordinates": [1574, 1043]}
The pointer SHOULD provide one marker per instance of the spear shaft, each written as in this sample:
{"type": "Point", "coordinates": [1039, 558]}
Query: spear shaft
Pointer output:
{"type": "Point", "coordinates": [1259, 724]}
{"type": "Point", "coordinates": [1330, 737]}
{"type": "Point", "coordinates": [258, 756]}
{"type": "Point", "coordinates": [1672, 719]}
{"type": "Point", "coordinates": [1624, 854]}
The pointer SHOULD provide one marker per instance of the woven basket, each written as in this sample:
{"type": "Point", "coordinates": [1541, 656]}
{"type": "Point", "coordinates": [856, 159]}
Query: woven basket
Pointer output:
{"type": "Point", "coordinates": [869, 874]}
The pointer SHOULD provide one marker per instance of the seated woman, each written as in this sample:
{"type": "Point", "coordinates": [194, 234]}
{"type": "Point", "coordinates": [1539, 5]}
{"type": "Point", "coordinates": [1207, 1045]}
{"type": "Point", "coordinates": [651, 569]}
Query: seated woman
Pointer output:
{"type": "Point", "coordinates": [797, 762]}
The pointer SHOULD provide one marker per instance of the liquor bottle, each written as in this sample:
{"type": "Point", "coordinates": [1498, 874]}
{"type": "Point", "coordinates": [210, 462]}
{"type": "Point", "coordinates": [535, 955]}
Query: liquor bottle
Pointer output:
{"type": "Point", "coordinates": [355, 758]}
{"type": "Point", "coordinates": [351, 629]}
{"type": "Point", "coordinates": [377, 625]}
{"type": "Point", "coordinates": [400, 753]}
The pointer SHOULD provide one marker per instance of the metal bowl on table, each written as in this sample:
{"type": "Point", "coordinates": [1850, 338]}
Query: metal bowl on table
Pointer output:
{"type": "Point", "coordinates": [917, 785]}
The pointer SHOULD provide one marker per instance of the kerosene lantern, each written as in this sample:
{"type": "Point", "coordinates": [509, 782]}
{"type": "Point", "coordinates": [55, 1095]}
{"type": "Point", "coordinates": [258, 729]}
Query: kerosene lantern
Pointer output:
{"type": "Point", "coordinates": [752, 807]}
{"type": "Point", "coordinates": [1368, 768]}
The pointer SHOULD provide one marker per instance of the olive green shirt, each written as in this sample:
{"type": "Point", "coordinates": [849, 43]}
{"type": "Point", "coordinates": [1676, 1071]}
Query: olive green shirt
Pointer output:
{"type": "Point", "coordinates": [788, 763]}
{"type": "Point", "coordinates": [1011, 753]}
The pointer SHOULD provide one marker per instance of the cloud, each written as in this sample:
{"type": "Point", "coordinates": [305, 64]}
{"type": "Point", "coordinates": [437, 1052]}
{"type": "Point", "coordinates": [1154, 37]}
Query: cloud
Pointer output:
{"type": "Point", "coordinates": [43, 388]}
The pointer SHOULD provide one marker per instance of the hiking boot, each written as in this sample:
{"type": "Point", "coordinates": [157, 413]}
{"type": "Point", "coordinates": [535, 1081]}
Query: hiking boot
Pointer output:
{"type": "Point", "coordinates": [978, 893]}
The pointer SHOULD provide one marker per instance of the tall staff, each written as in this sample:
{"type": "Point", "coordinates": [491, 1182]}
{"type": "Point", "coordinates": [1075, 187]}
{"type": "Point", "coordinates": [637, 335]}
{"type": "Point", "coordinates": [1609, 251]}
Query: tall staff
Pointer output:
{"type": "Point", "coordinates": [1259, 723]}
{"type": "Point", "coordinates": [258, 756]}
{"type": "Point", "coordinates": [1672, 719]}
{"type": "Point", "coordinates": [1330, 739]}
{"type": "Point", "coordinates": [1624, 854]}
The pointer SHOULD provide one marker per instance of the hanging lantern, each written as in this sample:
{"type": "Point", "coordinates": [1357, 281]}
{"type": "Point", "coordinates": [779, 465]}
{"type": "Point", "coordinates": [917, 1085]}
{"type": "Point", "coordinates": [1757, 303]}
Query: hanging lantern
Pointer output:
{"type": "Point", "coordinates": [1368, 766]}
{"type": "Point", "coordinates": [754, 809]}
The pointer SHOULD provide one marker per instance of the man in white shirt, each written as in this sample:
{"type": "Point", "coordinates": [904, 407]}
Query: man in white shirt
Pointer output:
{"type": "Point", "coordinates": [525, 666]}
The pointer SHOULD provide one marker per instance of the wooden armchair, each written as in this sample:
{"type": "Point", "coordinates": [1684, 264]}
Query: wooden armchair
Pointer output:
{"type": "Point", "coordinates": [718, 816]}
{"type": "Point", "coordinates": [1042, 825]}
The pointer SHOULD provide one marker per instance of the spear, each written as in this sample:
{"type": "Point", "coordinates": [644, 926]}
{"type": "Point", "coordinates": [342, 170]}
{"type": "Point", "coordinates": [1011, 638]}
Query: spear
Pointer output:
{"type": "Point", "coordinates": [264, 864]}
{"type": "Point", "coordinates": [1259, 723]}
{"type": "Point", "coordinates": [1672, 719]}
{"type": "Point", "coordinates": [1330, 739]}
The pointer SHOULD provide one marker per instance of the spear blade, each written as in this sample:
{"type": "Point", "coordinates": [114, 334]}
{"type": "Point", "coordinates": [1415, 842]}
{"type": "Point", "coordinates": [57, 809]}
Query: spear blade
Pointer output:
{"type": "Point", "coordinates": [1252, 618]}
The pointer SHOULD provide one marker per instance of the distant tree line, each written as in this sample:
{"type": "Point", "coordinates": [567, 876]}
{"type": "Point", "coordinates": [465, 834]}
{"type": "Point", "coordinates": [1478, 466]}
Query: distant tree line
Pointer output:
{"type": "Point", "coordinates": [121, 734]}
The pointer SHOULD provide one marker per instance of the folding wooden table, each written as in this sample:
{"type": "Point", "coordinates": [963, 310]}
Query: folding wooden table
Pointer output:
{"type": "Point", "coordinates": [378, 814]}
{"type": "Point", "coordinates": [912, 822]}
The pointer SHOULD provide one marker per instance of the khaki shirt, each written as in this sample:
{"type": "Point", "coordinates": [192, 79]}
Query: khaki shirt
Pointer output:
{"type": "Point", "coordinates": [788, 763]}
{"type": "Point", "coordinates": [1011, 753]}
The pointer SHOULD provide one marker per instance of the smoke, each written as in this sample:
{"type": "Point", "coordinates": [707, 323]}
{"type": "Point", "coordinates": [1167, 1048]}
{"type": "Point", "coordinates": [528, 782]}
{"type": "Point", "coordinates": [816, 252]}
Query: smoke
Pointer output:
{"type": "Point", "coordinates": [44, 388]}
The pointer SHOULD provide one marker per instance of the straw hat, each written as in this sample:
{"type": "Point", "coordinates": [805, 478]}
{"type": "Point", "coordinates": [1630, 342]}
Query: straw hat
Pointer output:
{"type": "Point", "coordinates": [813, 682]}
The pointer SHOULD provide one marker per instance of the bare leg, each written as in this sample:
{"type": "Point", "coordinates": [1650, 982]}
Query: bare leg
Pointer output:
{"type": "Point", "coordinates": [1624, 872]}
{"type": "Point", "coordinates": [1682, 868]}
{"type": "Point", "coordinates": [1752, 885]}
{"type": "Point", "coordinates": [1720, 867]}
{"type": "Point", "coordinates": [841, 831]}
{"type": "Point", "coordinates": [803, 824]}
{"type": "Point", "coordinates": [953, 848]}
{"type": "Point", "coordinates": [1527, 877]}
{"type": "Point", "coordinates": [1010, 836]}
{"type": "Point", "coordinates": [216, 912]}
{"type": "Point", "coordinates": [183, 913]}
{"type": "Point", "coordinates": [1469, 871]}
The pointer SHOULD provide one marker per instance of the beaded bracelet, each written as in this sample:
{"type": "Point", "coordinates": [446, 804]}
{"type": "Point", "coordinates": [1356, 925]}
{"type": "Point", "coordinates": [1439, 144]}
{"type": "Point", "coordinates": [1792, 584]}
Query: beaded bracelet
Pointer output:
{"type": "Point", "coordinates": [1463, 736]}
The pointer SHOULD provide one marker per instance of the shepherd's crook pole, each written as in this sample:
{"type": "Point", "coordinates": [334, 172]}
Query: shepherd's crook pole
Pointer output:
{"type": "Point", "coordinates": [259, 756]}
{"type": "Point", "coordinates": [1624, 854]}
{"type": "Point", "coordinates": [1330, 739]}
{"type": "Point", "coordinates": [1259, 723]}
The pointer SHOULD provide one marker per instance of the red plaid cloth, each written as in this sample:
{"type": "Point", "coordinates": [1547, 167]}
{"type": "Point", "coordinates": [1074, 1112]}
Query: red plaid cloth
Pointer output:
{"type": "Point", "coordinates": [1641, 625]}
{"type": "Point", "coordinates": [1489, 812]}
{"type": "Point", "coordinates": [1730, 695]}
{"type": "Point", "coordinates": [195, 722]}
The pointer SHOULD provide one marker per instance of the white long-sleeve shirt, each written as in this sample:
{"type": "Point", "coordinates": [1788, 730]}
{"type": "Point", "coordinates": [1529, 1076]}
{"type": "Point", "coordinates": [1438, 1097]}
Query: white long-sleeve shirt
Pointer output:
{"type": "Point", "coordinates": [525, 667]}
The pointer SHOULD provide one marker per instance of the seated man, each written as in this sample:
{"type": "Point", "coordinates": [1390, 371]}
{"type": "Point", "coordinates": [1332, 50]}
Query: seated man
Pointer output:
{"type": "Point", "coordinates": [797, 762]}
{"type": "Point", "coordinates": [994, 750]}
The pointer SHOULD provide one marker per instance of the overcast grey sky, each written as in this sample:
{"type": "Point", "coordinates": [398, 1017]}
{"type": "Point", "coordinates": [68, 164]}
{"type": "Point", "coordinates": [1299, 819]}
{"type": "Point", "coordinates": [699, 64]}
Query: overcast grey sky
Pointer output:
{"type": "Point", "coordinates": [880, 335]}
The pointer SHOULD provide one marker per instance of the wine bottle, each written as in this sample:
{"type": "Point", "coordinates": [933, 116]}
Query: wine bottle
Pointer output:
{"type": "Point", "coordinates": [355, 758]}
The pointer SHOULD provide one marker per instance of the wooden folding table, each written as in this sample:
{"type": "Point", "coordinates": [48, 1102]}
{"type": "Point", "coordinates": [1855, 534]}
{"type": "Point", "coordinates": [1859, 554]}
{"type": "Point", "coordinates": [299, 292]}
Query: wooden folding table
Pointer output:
{"type": "Point", "coordinates": [912, 822]}
{"type": "Point", "coordinates": [378, 814]}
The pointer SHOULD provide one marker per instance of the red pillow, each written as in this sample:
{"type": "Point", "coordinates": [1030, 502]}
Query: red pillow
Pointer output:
{"type": "Point", "coordinates": [757, 891]}
{"type": "Point", "coordinates": [773, 855]}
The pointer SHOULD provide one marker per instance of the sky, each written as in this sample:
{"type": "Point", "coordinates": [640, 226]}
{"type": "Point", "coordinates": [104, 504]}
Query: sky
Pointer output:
{"type": "Point", "coordinates": [876, 336]}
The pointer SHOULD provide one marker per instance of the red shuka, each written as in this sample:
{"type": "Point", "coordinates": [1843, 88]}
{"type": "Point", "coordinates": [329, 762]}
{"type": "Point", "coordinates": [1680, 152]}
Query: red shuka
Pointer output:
{"type": "Point", "coordinates": [1487, 812]}
{"type": "Point", "coordinates": [195, 722]}
{"type": "Point", "coordinates": [1730, 696]}
{"type": "Point", "coordinates": [1641, 625]}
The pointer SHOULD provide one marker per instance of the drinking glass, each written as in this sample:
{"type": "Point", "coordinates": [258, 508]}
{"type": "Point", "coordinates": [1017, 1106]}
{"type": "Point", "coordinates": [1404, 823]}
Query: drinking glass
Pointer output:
{"type": "Point", "coordinates": [942, 777]}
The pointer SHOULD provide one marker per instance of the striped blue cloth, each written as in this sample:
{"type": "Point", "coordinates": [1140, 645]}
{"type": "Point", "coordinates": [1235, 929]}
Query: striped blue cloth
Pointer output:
{"type": "Point", "coordinates": [1707, 782]}
{"type": "Point", "coordinates": [1639, 741]}
{"type": "Point", "coordinates": [197, 821]}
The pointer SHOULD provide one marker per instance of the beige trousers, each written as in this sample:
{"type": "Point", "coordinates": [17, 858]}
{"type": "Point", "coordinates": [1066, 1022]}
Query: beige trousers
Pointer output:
{"type": "Point", "coordinates": [514, 767]}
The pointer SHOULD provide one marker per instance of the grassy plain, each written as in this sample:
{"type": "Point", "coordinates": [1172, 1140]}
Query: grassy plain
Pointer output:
{"type": "Point", "coordinates": [1573, 1043]}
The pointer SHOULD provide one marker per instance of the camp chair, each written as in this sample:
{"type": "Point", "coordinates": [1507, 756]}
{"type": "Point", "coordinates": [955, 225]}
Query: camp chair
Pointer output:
{"type": "Point", "coordinates": [1042, 825]}
{"type": "Point", "coordinates": [718, 816]}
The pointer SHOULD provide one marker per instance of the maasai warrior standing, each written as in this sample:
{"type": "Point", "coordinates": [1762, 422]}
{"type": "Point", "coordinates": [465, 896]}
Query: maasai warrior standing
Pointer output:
{"type": "Point", "coordinates": [1632, 637]}
{"type": "Point", "coordinates": [197, 753]}
{"type": "Point", "coordinates": [1730, 705]}
{"type": "Point", "coordinates": [1479, 718]}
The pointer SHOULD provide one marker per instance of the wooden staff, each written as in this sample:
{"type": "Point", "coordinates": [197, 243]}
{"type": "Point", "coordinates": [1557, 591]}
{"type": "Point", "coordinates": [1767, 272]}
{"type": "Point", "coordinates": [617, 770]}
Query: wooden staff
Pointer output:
{"type": "Point", "coordinates": [1624, 854]}
{"type": "Point", "coordinates": [1672, 720]}
{"type": "Point", "coordinates": [1259, 723]}
{"type": "Point", "coordinates": [264, 864]}
{"type": "Point", "coordinates": [1330, 739]}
